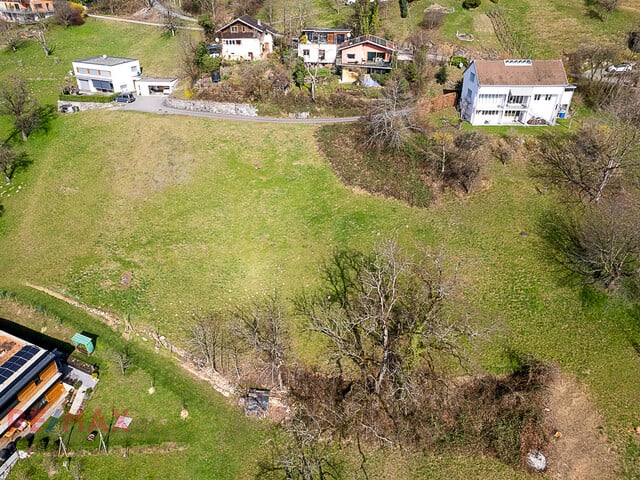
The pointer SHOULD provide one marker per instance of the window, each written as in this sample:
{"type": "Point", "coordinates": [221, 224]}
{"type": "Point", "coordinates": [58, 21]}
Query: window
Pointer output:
{"type": "Point", "coordinates": [102, 86]}
{"type": "Point", "coordinates": [305, 53]}
{"type": "Point", "coordinates": [490, 98]}
{"type": "Point", "coordinates": [522, 100]}
{"type": "Point", "coordinates": [487, 113]}
{"type": "Point", "coordinates": [472, 77]}
{"type": "Point", "coordinates": [134, 69]}
{"type": "Point", "coordinates": [547, 97]}
{"type": "Point", "coordinates": [351, 56]}
{"type": "Point", "coordinates": [93, 72]}
{"type": "Point", "coordinates": [322, 38]}
{"type": "Point", "coordinates": [234, 29]}
{"type": "Point", "coordinates": [537, 97]}
{"type": "Point", "coordinates": [123, 87]}
{"type": "Point", "coordinates": [469, 94]}
{"type": "Point", "coordinates": [321, 54]}
{"type": "Point", "coordinates": [375, 57]}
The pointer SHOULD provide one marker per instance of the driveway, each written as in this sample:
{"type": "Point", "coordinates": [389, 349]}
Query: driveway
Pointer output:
{"type": "Point", "coordinates": [155, 104]}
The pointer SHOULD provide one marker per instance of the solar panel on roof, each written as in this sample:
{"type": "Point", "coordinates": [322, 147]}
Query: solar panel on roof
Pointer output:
{"type": "Point", "coordinates": [17, 361]}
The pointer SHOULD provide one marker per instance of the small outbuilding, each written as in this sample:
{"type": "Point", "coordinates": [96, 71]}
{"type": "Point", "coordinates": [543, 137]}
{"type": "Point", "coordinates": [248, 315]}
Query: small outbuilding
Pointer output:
{"type": "Point", "coordinates": [83, 343]}
{"type": "Point", "coordinates": [155, 86]}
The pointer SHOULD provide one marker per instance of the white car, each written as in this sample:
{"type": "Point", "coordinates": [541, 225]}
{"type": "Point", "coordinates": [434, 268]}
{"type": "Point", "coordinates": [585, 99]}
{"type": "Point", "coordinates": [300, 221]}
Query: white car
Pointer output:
{"type": "Point", "coordinates": [620, 68]}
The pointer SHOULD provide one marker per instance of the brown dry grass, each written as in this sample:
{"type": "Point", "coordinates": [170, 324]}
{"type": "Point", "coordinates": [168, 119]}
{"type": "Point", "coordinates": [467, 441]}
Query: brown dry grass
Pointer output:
{"type": "Point", "coordinates": [579, 451]}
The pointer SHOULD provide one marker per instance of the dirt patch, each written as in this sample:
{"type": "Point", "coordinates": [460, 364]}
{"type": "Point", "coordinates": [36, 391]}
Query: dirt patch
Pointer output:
{"type": "Point", "coordinates": [578, 449]}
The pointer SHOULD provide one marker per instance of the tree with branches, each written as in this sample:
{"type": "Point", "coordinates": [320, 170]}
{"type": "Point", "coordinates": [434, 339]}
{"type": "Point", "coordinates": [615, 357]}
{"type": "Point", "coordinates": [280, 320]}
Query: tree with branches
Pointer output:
{"type": "Point", "coordinates": [123, 360]}
{"type": "Point", "coordinates": [205, 336]}
{"type": "Point", "coordinates": [17, 102]}
{"type": "Point", "coordinates": [598, 158]}
{"type": "Point", "coordinates": [262, 326]}
{"type": "Point", "coordinates": [390, 121]}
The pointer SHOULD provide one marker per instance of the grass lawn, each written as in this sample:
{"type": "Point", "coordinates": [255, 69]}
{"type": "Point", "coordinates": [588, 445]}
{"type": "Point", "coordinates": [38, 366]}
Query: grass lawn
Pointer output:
{"type": "Point", "coordinates": [212, 442]}
{"type": "Point", "coordinates": [159, 55]}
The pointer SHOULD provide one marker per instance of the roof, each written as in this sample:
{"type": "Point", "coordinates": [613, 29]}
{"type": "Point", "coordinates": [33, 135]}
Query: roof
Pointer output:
{"type": "Point", "coordinates": [157, 79]}
{"type": "Point", "coordinates": [520, 72]}
{"type": "Point", "coordinates": [326, 30]}
{"type": "Point", "coordinates": [381, 42]}
{"type": "Point", "coordinates": [106, 61]}
{"type": "Point", "coordinates": [253, 23]}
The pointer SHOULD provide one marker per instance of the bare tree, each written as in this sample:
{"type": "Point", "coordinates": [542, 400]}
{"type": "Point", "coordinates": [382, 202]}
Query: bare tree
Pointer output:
{"type": "Point", "coordinates": [21, 105]}
{"type": "Point", "coordinates": [389, 122]}
{"type": "Point", "coordinates": [123, 360]}
{"type": "Point", "coordinates": [600, 243]}
{"type": "Point", "coordinates": [262, 326]}
{"type": "Point", "coordinates": [67, 14]}
{"type": "Point", "coordinates": [170, 23]}
{"type": "Point", "coordinates": [205, 336]}
{"type": "Point", "coordinates": [598, 158]}
{"type": "Point", "coordinates": [40, 36]}
{"type": "Point", "coordinates": [606, 7]}
{"type": "Point", "coordinates": [188, 58]}
{"type": "Point", "coordinates": [378, 307]}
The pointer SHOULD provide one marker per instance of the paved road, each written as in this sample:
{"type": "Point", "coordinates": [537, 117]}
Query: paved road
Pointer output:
{"type": "Point", "coordinates": [155, 104]}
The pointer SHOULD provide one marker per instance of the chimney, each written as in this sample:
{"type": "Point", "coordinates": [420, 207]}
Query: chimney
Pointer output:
{"type": "Point", "coordinates": [259, 22]}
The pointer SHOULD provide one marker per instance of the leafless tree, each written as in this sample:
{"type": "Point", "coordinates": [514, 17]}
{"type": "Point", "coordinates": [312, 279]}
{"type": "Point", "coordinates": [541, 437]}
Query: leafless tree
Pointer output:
{"type": "Point", "coordinates": [170, 23]}
{"type": "Point", "coordinates": [123, 360]}
{"type": "Point", "coordinates": [67, 14]}
{"type": "Point", "coordinates": [40, 36]}
{"type": "Point", "coordinates": [21, 105]}
{"type": "Point", "coordinates": [390, 121]}
{"type": "Point", "coordinates": [600, 242]}
{"type": "Point", "coordinates": [262, 326]}
{"type": "Point", "coordinates": [205, 336]}
{"type": "Point", "coordinates": [598, 158]}
{"type": "Point", "coordinates": [606, 7]}
{"type": "Point", "coordinates": [188, 58]}
{"type": "Point", "coordinates": [432, 19]}
{"type": "Point", "coordinates": [593, 57]}
{"type": "Point", "coordinates": [378, 307]}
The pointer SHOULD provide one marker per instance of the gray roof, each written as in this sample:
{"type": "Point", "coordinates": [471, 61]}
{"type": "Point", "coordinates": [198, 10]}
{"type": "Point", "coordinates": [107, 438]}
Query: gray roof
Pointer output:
{"type": "Point", "coordinates": [105, 61]}
{"type": "Point", "coordinates": [327, 30]}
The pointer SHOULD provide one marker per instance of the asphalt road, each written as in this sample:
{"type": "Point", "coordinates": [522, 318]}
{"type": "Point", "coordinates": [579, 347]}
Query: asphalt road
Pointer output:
{"type": "Point", "coordinates": [155, 104]}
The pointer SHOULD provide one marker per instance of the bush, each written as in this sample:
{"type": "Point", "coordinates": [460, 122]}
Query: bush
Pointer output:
{"type": "Point", "coordinates": [469, 4]}
{"type": "Point", "coordinates": [442, 75]}
{"type": "Point", "coordinates": [456, 61]}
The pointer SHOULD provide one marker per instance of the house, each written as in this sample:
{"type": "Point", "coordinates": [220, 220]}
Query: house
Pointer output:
{"type": "Point", "coordinates": [26, 11]}
{"type": "Point", "coordinates": [30, 386]}
{"type": "Point", "coordinates": [320, 45]}
{"type": "Point", "coordinates": [155, 86]}
{"type": "Point", "coordinates": [106, 74]}
{"type": "Point", "coordinates": [246, 38]}
{"type": "Point", "coordinates": [515, 92]}
{"type": "Point", "coordinates": [364, 54]}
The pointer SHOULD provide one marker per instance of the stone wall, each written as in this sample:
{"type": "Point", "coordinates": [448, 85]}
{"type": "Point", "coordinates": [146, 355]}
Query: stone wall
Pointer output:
{"type": "Point", "coordinates": [213, 107]}
{"type": "Point", "coordinates": [83, 106]}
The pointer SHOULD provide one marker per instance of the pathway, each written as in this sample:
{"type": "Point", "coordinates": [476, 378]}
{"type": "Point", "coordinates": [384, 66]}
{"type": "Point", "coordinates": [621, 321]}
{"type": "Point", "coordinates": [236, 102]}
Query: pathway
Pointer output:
{"type": "Point", "coordinates": [139, 22]}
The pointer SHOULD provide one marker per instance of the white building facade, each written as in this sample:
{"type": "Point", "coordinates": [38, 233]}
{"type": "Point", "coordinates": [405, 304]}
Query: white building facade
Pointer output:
{"type": "Point", "coordinates": [246, 38]}
{"type": "Point", "coordinates": [515, 92]}
{"type": "Point", "coordinates": [105, 74]}
{"type": "Point", "coordinates": [320, 45]}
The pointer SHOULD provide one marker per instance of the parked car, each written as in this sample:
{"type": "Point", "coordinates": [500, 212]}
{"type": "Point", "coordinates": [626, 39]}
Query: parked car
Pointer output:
{"type": "Point", "coordinates": [620, 68]}
{"type": "Point", "coordinates": [125, 98]}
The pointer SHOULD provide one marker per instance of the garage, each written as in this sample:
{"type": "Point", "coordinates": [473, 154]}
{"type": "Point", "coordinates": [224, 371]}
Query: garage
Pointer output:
{"type": "Point", "coordinates": [155, 86]}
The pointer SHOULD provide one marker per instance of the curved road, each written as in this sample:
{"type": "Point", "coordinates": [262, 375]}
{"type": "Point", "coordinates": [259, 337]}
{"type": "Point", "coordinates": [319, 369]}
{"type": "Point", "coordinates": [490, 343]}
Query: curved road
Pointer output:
{"type": "Point", "coordinates": [155, 104]}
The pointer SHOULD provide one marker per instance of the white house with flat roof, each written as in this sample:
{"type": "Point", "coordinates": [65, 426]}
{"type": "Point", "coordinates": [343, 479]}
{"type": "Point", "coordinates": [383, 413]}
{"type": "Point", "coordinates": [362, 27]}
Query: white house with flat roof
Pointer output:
{"type": "Point", "coordinates": [106, 74]}
{"type": "Point", "coordinates": [320, 45]}
{"type": "Point", "coordinates": [515, 92]}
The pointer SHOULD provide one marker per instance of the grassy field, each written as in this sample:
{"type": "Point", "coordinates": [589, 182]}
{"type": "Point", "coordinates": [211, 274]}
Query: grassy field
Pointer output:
{"type": "Point", "coordinates": [159, 55]}
{"type": "Point", "coordinates": [205, 213]}
{"type": "Point", "coordinates": [212, 442]}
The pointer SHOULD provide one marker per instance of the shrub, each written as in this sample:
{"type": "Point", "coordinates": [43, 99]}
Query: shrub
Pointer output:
{"type": "Point", "coordinates": [469, 4]}
{"type": "Point", "coordinates": [456, 61]}
{"type": "Point", "coordinates": [442, 75]}
{"type": "Point", "coordinates": [404, 9]}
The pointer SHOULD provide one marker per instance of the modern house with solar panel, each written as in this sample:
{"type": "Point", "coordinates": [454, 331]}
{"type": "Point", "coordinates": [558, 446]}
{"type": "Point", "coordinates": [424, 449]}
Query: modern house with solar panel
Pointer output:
{"type": "Point", "coordinates": [30, 386]}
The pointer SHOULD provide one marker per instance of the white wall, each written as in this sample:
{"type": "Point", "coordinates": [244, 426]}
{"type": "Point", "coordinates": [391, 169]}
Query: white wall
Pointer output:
{"type": "Point", "coordinates": [248, 48]}
{"type": "Point", "coordinates": [330, 52]}
{"type": "Point", "coordinates": [120, 76]}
